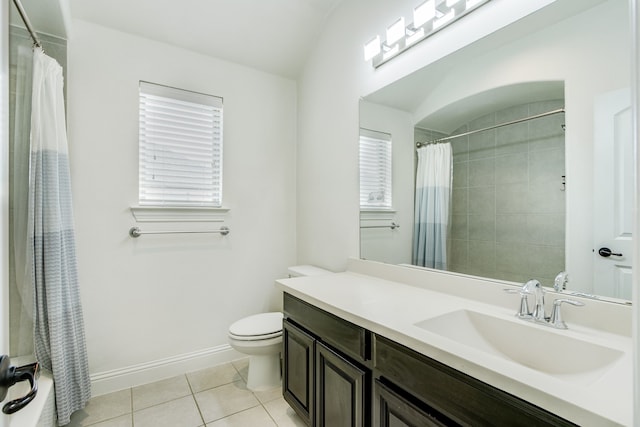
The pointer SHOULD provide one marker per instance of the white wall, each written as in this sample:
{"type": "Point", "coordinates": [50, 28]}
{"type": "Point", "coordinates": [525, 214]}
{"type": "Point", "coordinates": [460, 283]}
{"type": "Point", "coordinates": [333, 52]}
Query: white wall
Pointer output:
{"type": "Point", "coordinates": [163, 298]}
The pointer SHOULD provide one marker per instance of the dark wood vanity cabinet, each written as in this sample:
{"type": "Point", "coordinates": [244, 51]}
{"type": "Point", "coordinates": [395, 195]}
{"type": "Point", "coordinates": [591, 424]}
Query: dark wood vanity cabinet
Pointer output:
{"type": "Point", "coordinates": [337, 374]}
{"type": "Point", "coordinates": [325, 378]}
{"type": "Point", "coordinates": [447, 396]}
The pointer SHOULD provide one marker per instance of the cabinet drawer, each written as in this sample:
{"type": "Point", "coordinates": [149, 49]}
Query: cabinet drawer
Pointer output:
{"type": "Point", "coordinates": [458, 396]}
{"type": "Point", "coordinates": [344, 336]}
{"type": "Point", "coordinates": [393, 410]}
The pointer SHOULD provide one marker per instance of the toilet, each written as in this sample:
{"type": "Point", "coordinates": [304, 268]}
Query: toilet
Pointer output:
{"type": "Point", "coordinates": [260, 337]}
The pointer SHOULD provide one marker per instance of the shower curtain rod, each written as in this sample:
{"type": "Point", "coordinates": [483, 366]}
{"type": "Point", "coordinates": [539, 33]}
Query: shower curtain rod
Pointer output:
{"type": "Point", "coordinates": [537, 116]}
{"type": "Point", "coordinates": [27, 23]}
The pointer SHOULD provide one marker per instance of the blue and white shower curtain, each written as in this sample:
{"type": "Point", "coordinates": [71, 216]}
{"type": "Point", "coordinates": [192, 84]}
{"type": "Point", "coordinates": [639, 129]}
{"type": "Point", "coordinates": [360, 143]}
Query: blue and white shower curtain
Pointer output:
{"type": "Point", "coordinates": [58, 324]}
{"type": "Point", "coordinates": [432, 206]}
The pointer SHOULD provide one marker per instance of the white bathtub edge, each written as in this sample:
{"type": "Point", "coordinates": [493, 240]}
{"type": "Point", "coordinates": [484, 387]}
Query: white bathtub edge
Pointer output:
{"type": "Point", "coordinates": [40, 412]}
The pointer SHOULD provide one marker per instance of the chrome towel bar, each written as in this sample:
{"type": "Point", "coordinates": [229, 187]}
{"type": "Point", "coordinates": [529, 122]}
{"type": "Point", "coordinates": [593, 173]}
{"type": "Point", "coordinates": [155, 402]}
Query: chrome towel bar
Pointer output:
{"type": "Point", "coordinates": [393, 226]}
{"type": "Point", "coordinates": [136, 232]}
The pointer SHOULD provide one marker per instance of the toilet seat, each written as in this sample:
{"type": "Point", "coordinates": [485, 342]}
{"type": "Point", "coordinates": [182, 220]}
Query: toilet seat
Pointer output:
{"type": "Point", "coordinates": [255, 337]}
{"type": "Point", "coordinates": [258, 327]}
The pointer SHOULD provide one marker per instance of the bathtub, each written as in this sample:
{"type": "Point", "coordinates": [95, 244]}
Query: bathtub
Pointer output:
{"type": "Point", "coordinates": [41, 411]}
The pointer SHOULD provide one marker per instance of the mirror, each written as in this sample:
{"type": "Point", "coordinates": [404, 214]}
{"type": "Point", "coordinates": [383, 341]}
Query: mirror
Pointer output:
{"type": "Point", "coordinates": [530, 199]}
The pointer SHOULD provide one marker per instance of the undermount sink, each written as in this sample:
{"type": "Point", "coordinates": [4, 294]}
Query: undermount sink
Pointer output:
{"type": "Point", "coordinates": [529, 345]}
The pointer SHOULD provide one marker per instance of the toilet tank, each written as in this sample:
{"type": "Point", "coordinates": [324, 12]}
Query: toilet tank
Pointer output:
{"type": "Point", "coordinates": [307, 270]}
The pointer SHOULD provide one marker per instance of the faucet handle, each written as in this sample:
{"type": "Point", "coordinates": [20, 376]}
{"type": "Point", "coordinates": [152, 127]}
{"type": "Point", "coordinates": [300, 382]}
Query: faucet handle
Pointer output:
{"type": "Point", "coordinates": [523, 311]}
{"type": "Point", "coordinates": [556, 315]}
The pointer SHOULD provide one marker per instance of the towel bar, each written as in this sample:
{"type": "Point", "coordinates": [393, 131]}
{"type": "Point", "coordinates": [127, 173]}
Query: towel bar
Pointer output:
{"type": "Point", "coordinates": [393, 226]}
{"type": "Point", "coordinates": [136, 232]}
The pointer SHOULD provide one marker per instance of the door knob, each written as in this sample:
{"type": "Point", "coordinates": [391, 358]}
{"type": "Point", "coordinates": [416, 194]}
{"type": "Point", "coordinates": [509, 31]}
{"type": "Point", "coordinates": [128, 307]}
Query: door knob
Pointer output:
{"type": "Point", "coordinates": [9, 375]}
{"type": "Point", "coordinates": [606, 252]}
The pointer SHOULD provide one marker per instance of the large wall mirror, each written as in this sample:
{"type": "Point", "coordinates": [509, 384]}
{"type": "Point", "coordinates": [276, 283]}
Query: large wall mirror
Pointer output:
{"type": "Point", "coordinates": [552, 191]}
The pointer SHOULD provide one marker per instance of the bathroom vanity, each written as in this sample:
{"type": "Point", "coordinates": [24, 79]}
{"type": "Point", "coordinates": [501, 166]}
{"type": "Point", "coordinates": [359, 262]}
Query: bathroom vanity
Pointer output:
{"type": "Point", "coordinates": [362, 350]}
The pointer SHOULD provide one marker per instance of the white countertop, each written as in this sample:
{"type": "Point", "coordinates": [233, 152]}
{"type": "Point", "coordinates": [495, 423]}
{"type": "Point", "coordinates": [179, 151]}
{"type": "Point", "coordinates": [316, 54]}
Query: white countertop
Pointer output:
{"type": "Point", "coordinates": [391, 309]}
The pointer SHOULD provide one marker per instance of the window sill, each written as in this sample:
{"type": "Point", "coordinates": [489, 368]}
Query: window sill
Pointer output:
{"type": "Point", "coordinates": [377, 214]}
{"type": "Point", "coordinates": [178, 214]}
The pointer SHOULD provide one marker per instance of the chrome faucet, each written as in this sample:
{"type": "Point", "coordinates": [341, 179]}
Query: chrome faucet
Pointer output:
{"type": "Point", "coordinates": [535, 287]}
{"type": "Point", "coordinates": [538, 315]}
{"type": "Point", "coordinates": [561, 281]}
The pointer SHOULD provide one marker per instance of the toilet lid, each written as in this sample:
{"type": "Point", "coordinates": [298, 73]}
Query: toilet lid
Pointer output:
{"type": "Point", "coordinates": [257, 325]}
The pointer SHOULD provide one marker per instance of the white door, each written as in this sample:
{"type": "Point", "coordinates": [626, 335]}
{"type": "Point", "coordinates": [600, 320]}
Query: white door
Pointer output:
{"type": "Point", "coordinates": [613, 194]}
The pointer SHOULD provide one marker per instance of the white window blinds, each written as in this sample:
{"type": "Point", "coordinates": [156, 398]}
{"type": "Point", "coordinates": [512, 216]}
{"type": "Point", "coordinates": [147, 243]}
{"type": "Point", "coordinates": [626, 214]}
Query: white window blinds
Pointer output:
{"type": "Point", "coordinates": [375, 170]}
{"type": "Point", "coordinates": [180, 147]}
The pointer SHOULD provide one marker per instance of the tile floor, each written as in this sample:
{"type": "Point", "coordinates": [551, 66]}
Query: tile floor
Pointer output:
{"type": "Point", "coordinates": [213, 397]}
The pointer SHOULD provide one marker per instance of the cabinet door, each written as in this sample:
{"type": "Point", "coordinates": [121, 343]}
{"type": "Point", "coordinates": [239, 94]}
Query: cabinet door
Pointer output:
{"type": "Point", "coordinates": [297, 378]}
{"type": "Point", "coordinates": [393, 410]}
{"type": "Point", "coordinates": [340, 390]}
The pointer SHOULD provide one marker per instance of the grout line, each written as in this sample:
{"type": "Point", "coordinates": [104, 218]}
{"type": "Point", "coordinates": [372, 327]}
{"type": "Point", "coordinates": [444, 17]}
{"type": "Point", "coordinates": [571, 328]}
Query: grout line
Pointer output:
{"type": "Point", "coordinates": [198, 409]}
{"type": "Point", "coordinates": [268, 413]}
{"type": "Point", "coordinates": [193, 395]}
{"type": "Point", "coordinates": [131, 399]}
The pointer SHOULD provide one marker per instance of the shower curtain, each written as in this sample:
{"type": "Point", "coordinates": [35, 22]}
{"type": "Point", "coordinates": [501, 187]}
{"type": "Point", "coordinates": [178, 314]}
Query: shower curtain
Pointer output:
{"type": "Point", "coordinates": [432, 206]}
{"type": "Point", "coordinates": [59, 338]}
{"type": "Point", "coordinates": [22, 316]}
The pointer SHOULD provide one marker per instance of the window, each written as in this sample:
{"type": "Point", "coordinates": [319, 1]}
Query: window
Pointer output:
{"type": "Point", "coordinates": [375, 170]}
{"type": "Point", "coordinates": [180, 148]}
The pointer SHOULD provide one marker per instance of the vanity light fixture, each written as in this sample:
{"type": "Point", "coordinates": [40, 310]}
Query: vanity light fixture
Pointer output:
{"type": "Point", "coordinates": [372, 48]}
{"type": "Point", "coordinates": [428, 18]}
{"type": "Point", "coordinates": [395, 31]}
{"type": "Point", "coordinates": [424, 13]}
{"type": "Point", "coordinates": [389, 52]}
{"type": "Point", "coordinates": [415, 37]}
{"type": "Point", "coordinates": [444, 19]}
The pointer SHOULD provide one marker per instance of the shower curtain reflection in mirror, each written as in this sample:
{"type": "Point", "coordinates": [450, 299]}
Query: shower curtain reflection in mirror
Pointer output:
{"type": "Point", "coordinates": [432, 205]}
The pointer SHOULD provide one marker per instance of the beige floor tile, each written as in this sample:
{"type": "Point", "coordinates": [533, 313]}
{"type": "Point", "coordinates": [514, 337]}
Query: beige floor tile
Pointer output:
{"type": "Point", "coordinates": [242, 365]}
{"type": "Point", "coordinates": [102, 408]}
{"type": "Point", "coordinates": [160, 392]}
{"type": "Point", "coordinates": [254, 417]}
{"type": "Point", "coordinates": [225, 400]}
{"type": "Point", "coordinates": [269, 395]}
{"type": "Point", "coordinates": [213, 377]}
{"type": "Point", "coordinates": [182, 412]}
{"type": "Point", "coordinates": [122, 421]}
{"type": "Point", "coordinates": [283, 414]}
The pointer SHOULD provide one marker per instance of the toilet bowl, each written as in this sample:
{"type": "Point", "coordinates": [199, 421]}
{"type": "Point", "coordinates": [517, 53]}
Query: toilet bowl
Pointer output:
{"type": "Point", "coordinates": [260, 337]}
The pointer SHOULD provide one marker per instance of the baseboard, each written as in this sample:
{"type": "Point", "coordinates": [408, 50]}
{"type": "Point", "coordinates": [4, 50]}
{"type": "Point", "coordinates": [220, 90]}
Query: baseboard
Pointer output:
{"type": "Point", "coordinates": [148, 372]}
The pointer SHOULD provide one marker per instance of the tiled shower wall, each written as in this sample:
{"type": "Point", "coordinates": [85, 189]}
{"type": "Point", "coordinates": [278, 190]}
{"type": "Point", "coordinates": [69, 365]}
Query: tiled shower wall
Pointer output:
{"type": "Point", "coordinates": [508, 202]}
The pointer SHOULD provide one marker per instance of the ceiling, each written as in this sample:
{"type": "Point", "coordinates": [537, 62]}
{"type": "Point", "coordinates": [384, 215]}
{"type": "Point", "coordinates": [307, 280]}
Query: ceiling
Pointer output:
{"type": "Point", "coordinates": [274, 36]}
